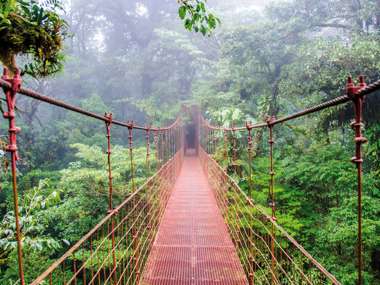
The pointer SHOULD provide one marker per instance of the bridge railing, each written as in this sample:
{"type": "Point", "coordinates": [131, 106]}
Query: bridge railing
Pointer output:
{"type": "Point", "coordinates": [262, 244]}
{"type": "Point", "coordinates": [116, 249]}
{"type": "Point", "coordinates": [269, 255]}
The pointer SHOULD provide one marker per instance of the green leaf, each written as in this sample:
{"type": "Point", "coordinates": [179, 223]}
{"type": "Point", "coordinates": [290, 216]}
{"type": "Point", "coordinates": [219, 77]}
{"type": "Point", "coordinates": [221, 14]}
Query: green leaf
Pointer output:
{"type": "Point", "coordinates": [203, 30]}
{"type": "Point", "coordinates": [188, 24]}
{"type": "Point", "coordinates": [182, 12]}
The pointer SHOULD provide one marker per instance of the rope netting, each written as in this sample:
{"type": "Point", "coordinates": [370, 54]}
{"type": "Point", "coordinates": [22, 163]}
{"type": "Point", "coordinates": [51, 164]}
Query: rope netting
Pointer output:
{"type": "Point", "coordinates": [115, 250]}
{"type": "Point", "coordinates": [268, 253]}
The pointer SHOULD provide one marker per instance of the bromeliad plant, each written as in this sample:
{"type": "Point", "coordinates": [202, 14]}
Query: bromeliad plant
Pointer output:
{"type": "Point", "coordinates": [33, 29]}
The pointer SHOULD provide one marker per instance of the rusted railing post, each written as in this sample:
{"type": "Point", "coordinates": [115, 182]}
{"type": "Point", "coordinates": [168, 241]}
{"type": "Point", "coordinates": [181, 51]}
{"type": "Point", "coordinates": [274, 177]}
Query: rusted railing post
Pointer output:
{"type": "Point", "coordinates": [170, 147]}
{"type": "Point", "coordinates": [147, 138]}
{"type": "Point", "coordinates": [272, 202]}
{"type": "Point", "coordinates": [108, 116]}
{"type": "Point", "coordinates": [213, 142]}
{"type": "Point", "coordinates": [136, 247]}
{"type": "Point", "coordinates": [209, 142]}
{"type": "Point", "coordinates": [162, 147]}
{"type": "Point", "coordinates": [10, 95]}
{"type": "Point", "coordinates": [225, 145]}
{"type": "Point", "coordinates": [251, 276]}
{"type": "Point", "coordinates": [130, 139]}
{"type": "Point", "coordinates": [204, 139]}
{"type": "Point", "coordinates": [207, 139]}
{"type": "Point", "coordinates": [157, 154]}
{"type": "Point", "coordinates": [108, 123]}
{"type": "Point", "coordinates": [172, 141]}
{"type": "Point", "coordinates": [234, 149]}
{"type": "Point", "coordinates": [250, 144]}
{"type": "Point", "coordinates": [358, 100]}
{"type": "Point", "coordinates": [210, 135]}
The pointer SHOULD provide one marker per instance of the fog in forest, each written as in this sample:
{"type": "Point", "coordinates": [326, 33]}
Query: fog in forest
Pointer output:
{"type": "Point", "coordinates": [136, 57]}
{"type": "Point", "coordinates": [149, 61]}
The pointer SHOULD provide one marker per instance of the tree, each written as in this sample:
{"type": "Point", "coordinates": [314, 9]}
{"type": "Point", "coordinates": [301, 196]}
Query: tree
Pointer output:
{"type": "Point", "coordinates": [35, 30]}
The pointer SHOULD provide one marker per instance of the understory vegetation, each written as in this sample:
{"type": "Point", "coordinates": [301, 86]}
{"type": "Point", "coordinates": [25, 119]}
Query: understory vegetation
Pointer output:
{"type": "Point", "coordinates": [247, 61]}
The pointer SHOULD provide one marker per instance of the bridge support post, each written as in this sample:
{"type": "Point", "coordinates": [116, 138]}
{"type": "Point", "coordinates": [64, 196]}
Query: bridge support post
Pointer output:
{"type": "Point", "coordinates": [251, 279]}
{"type": "Point", "coordinates": [108, 122]}
{"type": "Point", "coordinates": [108, 117]}
{"type": "Point", "coordinates": [225, 145]}
{"type": "Point", "coordinates": [272, 203]}
{"type": "Point", "coordinates": [10, 95]}
{"type": "Point", "coordinates": [135, 267]}
{"type": "Point", "coordinates": [147, 138]}
{"type": "Point", "coordinates": [155, 141]}
{"type": "Point", "coordinates": [132, 166]}
{"type": "Point", "coordinates": [250, 144]}
{"type": "Point", "coordinates": [251, 276]}
{"type": "Point", "coordinates": [357, 124]}
{"type": "Point", "coordinates": [234, 150]}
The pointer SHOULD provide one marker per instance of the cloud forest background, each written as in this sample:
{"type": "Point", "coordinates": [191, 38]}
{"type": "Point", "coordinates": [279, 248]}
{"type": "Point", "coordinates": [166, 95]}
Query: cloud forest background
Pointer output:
{"type": "Point", "coordinates": [135, 59]}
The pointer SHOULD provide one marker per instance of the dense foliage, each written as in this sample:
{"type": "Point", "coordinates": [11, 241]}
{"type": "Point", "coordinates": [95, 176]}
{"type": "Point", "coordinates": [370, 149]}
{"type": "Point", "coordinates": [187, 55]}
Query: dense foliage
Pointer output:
{"type": "Point", "coordinates": [298, 55]}
{"type": "Point", "coordinates": [33, 29]}
{"type": "Point", "coordinates": [133, 58]}
{"type": "Point", "coordinates": [59, 207]}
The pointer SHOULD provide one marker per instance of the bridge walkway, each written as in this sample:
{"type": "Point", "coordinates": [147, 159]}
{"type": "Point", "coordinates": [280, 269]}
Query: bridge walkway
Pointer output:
{"type": "Point", "coordinates": [193, 245]}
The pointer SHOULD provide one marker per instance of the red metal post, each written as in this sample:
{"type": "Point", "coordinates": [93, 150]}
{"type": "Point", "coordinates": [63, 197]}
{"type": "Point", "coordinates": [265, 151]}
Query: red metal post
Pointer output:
{"type": "Point", "coordinates": [251, 276]}
{"type": "Point", "coordinates": [175, 140]}
{"type": "Point", "coordinates": [171, 143]}
{"type": "Point", "coordinates": [147, 138]}
{"type": "Point", "coordinates": [358, 100]}
{"type": "Point", "coordinates": [114, 273]}
{"type": "Point", "coordinates": [204, 137]}
{"type": "Point", "coordinates": [234, 149]}
{"type": "Point", "coordinates": [108, 116]}
{"type": "Point", "coordinates": [225, 143]}
{"type": "Point", "coordinates": [10, 95]}
{"type": "Point", "coordinates": [169, 135]}
{"type": "Point", "coordinates": [250, 144]}
{"type": "Point", "coordinates": [162, 148]}
{"type": "Point", "coordinates": [167, 145]}
{"type": "Point", "coordinates": [135, 245]}
{"type": "Point", "coordinates": [251, 279]}
{"type": "Point", "coordinates": [209, 143]}
{"type": "Point", "coordinates": [272, 204]}
{"type": "Point", "coordinates": [213, 140]}
{"type": "Point", "coordinates": [209, 136]}
{"type": "Point", "coordinates": [155, 139]}
{"type": "Point", "coordinates": [130, 139]}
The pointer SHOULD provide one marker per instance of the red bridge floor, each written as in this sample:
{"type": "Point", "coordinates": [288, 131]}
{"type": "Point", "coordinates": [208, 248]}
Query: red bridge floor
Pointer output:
{"type": "Point", "coordinates": [193, 245]}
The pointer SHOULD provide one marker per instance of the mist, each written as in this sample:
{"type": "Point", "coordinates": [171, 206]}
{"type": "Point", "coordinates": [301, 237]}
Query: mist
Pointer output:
{"type": "Point", "coordinates": [239, 63]}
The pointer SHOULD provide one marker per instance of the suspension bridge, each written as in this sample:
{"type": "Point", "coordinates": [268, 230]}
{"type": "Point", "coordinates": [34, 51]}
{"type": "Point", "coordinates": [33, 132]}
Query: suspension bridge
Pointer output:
{"type": "Point", "coordinates": [190, 223]}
